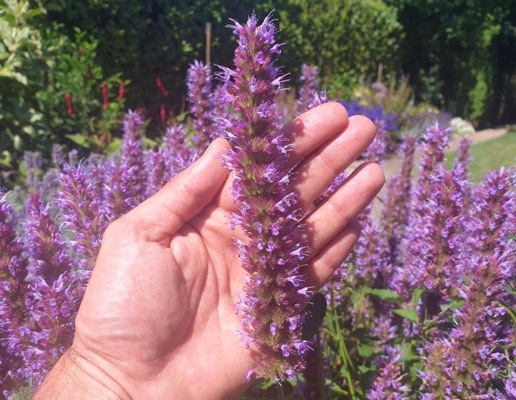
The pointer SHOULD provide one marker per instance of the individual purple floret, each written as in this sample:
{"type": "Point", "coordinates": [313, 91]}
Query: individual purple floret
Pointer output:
{"type": "Point", "coordinates": [309, 85]}
{"type": "Point", "coordinates": [274, 253]}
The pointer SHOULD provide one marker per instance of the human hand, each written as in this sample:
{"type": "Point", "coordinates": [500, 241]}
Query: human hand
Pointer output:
{"type": "Point", "coordinates": [158, 319]}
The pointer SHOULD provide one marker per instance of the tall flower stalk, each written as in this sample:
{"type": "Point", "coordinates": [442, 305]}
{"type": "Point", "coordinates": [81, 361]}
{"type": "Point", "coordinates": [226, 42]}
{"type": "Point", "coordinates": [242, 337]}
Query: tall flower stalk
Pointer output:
{"type": "Point", "coordinates": [201, 98]}
{"type": "Point", "coordinates": [308, 90]}
{"type": "Point", "coordinates": [274, 253]}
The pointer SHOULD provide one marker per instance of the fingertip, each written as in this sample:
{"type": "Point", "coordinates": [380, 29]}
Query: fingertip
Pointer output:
{"type": "Point", "coordinates": [376, 175]}
{"type": "Point", "coordinates": [338, 110]}
{"type": "Point", "coordinates": [367, 127]}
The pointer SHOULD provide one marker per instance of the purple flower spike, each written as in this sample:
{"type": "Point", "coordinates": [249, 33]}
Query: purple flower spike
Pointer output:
{"type": "Point", "coordinates": [13, 270]}
{"type": "Point", "coordinates": [435, 235]}
{"type": "Point", "coordinates": [84, 214]}
{"type": "Point", "coordinates": [274, 249]}
{"type": "Point", "coordinates": [388, 384]}
{"type": "Point", "coordinates": [47, 253]}
{"type": "Point", "coordinates": [479, 336]}
{"type": "Point", "coordinates": [132, 163]}
{"type": "Point", "coordinates": [201, 100]}
{"type": "Point", "coordinates": [397, 201]}
{"type": "Point", "coordinates": [308, 89]}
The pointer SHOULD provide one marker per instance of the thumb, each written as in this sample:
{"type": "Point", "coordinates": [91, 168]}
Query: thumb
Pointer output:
{"type": "Point", "coordinates": [186, 194]}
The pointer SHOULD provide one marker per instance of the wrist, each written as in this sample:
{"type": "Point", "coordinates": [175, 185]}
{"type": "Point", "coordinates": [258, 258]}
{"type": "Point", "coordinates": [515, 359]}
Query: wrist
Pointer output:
{"type": "Point", "coordinates": [76, 376]}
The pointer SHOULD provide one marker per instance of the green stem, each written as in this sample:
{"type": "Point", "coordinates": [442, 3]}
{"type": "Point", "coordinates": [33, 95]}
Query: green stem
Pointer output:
{"type": "Point", "coordinates": [336, 332]}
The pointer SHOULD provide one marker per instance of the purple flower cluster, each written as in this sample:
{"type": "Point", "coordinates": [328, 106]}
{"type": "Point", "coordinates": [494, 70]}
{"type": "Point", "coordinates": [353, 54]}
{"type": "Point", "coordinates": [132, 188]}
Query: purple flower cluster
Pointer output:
{"type": "Point", "coordinates": [375, 114]}
{"type": "Point", "coordinates": [308, 95]}
{"type": "Point", "coordinates": [274, 252]}
{"type": "Point", "coordinates": [388, 383]}
{"type": "Point", "coordinates": [202, 104]}
{"type": "Point", "coordinates": [479, 337]}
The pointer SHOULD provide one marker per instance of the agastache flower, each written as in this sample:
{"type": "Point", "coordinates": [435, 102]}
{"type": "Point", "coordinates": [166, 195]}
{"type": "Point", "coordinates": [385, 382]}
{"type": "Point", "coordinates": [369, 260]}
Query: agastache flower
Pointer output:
{"type": "Point", "coordinates": [308, 88]}
{"type": "Point", "coordinates": [177, 154]}
{"type": "Point", "coordinates": [479, 336]}
{"type": "Point", "coordinates": [435, 234]}
{"type": "Point", "coordinates": [52, 306]}
{"type": "Point", "coordinates": [274, 250]}
{"type": "Point", "coordinates": [84, 214]}
{"type": "Point", "coordinates": [388, 384]}
{"type": "Point", "coordinates": [48, 256]}
{"type": "Point", "coordinates": [397, 201]}
{"type": "Point", "coordinates": [201, 101]}
{"type": "Point", "coordinates": [126, 183]}
{"type": "Point", "coordinates": [13, 270]}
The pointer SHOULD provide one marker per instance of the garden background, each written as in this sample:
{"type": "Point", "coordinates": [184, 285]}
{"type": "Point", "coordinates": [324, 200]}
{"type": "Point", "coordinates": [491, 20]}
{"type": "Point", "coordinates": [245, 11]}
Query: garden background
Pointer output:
{"type": "Point", "coordinates": [69, 72]}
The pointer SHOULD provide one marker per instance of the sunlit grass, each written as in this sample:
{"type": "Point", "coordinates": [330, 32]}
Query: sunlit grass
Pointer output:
{"type": "Point", "coordinates": [489, 155]}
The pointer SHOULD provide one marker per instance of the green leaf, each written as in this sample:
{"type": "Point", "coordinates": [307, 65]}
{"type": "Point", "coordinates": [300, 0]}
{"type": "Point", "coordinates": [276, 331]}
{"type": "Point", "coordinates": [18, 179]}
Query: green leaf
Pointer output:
{"type": "Point", "coordinates": [454, 304]}
{"type": "Point", "coordinates": [384, 294]}
{"type": "Point", "coordinates": [416, 296]}
{"type": "Point", "coordinates": [79, 139]}
{"type": "Point", "coordinates": [411, 315]}
{"type": "Point", "coordinates": [336, 389]}
{"type": "Point", "coordinates": [365, 350]}
{"type": "Point", "coordinates": [363, 369]}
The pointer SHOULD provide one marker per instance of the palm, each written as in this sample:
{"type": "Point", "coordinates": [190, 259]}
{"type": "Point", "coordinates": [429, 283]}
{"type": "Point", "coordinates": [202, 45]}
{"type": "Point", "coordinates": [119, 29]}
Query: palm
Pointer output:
{"type": "Point", "coordinates": [159, 308]}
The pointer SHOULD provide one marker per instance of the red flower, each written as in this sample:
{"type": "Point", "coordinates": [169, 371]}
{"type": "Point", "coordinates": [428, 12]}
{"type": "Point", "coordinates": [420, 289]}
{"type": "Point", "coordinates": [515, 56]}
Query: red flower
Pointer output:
{"type": "Point", "coordinates": [161, 88]}
{"type": "Point", "coordinates": [69, 104]}
{"type": "Point", "coordinates": [121, 90]}
{"type": "Point", "coordinates": [105, 103]}
{"type": "Point", "coordinates": [162, 112]}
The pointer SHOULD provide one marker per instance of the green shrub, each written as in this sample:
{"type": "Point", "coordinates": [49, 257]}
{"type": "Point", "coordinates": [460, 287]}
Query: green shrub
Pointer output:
{"type": "Point", "coordinates": [460, 55]}
{"type": "Point", "coordinates": [50, 88]}
{"type": "Point", "coordinates": [345, 39]}
{"type": "Point", "coordinates": [21, 60]}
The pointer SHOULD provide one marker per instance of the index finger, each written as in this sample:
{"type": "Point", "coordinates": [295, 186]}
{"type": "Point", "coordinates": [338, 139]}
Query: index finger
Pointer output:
{"type": "Point", "coordinates": [314, 128]}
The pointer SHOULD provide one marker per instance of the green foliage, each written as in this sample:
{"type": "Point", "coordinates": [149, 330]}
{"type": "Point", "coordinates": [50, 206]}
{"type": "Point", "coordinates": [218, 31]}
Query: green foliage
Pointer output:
{"type": "Point", "coordinates": [460, 55]}
{"type": "Point", "coordinates": [155, 39]}
{"type": "Point", "coordinates": [21, 59]}
{"type": "Point", "coordinates": [38, 67]}
{"type": "Point", "coordinates": [75, 74]}
{"type": "Point", "coordinates": [346, 39]}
